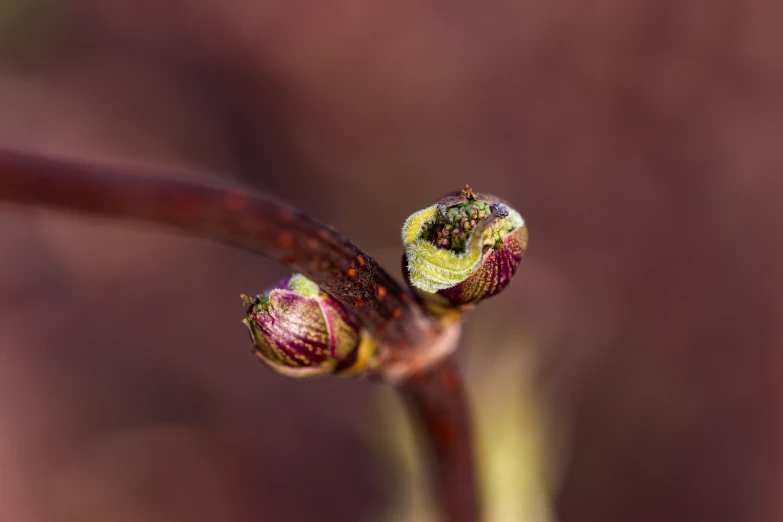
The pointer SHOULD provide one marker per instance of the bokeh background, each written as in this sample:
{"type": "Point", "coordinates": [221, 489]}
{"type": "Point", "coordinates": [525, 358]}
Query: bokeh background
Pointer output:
{"type": "Point", "coordinates": [632, 372]}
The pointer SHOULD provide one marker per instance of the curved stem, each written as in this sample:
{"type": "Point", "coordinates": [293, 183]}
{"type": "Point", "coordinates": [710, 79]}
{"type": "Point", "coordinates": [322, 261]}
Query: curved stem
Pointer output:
{"type": "Point", "coordinates": [260, 224]}
{"type": "Point", "coordinates": [437, 399]}
{"type": "Point", "coordinates": [253, 221]}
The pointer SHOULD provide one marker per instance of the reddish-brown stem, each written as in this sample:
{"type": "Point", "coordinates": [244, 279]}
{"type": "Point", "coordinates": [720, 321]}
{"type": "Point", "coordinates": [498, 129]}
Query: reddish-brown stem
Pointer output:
{"type": "Point", "coordinates": [437, 399]}
{"type": "Point", "coordinates": [261, 224]}
{"type": "Point", "coordinates": [250, 220]}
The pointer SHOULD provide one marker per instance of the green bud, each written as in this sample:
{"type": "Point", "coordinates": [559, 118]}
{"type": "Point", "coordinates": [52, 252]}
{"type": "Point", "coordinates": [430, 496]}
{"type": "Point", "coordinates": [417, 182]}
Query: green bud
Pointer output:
{"type": "Point", "coordinates": [482, 253]}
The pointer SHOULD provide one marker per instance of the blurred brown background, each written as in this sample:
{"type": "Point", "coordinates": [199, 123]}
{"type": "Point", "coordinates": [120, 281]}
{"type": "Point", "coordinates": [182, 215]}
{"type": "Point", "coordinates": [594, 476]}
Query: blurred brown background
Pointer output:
{"type": "Point", "coordinates": [640, 140]}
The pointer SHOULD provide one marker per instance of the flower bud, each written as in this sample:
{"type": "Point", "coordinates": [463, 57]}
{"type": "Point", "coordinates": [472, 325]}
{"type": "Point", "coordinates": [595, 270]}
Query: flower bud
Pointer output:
{"type": "Point", "coordinates": [300, 331]}
{"type": "Point", "coordinates": [464, 248]}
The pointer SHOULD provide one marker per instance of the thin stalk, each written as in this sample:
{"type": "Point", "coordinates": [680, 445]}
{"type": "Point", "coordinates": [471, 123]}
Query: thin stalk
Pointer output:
{"type": "Point", "coordinates": [436, 399]}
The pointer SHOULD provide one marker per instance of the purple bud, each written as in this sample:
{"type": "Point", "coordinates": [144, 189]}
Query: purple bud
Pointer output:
{"type": "Point", "coordinates": [299, 330]}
